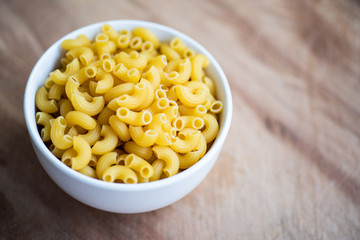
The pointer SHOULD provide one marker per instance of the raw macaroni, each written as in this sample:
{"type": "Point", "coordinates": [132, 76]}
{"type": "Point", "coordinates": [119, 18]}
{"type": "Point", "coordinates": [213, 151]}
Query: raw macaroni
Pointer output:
{"type": "Point", "coordinates": [127, 108]}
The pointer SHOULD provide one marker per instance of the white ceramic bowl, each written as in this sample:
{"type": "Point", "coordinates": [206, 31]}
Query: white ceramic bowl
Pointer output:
{"type": "Point", "coordinates": [115, 197]}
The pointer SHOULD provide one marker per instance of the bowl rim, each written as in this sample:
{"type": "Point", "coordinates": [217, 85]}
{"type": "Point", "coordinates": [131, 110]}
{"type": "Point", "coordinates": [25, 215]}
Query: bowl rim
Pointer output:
{"type": "Point", "coordinates": [29, 111]}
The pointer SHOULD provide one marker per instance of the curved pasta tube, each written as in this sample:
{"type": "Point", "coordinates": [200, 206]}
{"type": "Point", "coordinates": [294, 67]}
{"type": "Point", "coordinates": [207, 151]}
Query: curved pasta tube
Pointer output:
{"type": "Point", "coordinates": [137, 98]}
{"type": "Point", "coordinates": [81, 41]}
{"type": "Point", "coordinates": [171, 94]}
{"type": "Point", "coordinates": [105, 82]}
{"type": "Point", "coordinates": [56, 91]}
{"type": "Point", "coordinates": [120, 128]}
{"type": "Point", "coordinates": [148, 48]}
{"type": "Point", "coordinates": [56, 151]}
{"type": "Point", "coordinates": [171, 112]}
{"type": "Point", "coordinates": [178, 45]}
{"type": "Point", "coordinates": [104, 162]}
{"type": "Point", "coordinates": [122, 173]}
{"type": "Point", "coordinates": [123, 41]}
{"type": "Point", "coordinates": [88, 171]}
{"type": "Point", "coordinates": [127, 75]}
{"type": "Point", "coordinates": [186, 141]}
{"type": "Point", "coordinates": [210, 84]}
{"type": "Point", "coordinates": [108, 30]}
{"type": "Point", "coordinates": [142, 138]}
{"type": "Point", "coordinates": [107, 65]}
{"type": "Point", "coordinates": [159, 105]}
{"type": "Point", "coordinates": [211, 128]}
{"type": "Point", "coordinates": [108, 143]}
{"type": "Point", "coordinates": [216, 107]}
{"type": "Point", "coordinates": [149, 95]}
{"type": "Point", "coordinates": [183, 74]}
{"type": "Point", "coordinates": [170, 158]}
{"type": "Point", "coordinates": [81, 119]}
{"type": "Point", "coordinates": [153, 76]}
{"type": "Point", "coordinates": [198, 111]}
{"type": "Point", "coordinates": [170, 53]}
{"type": "Point", "coordinates": [83, 156]}
{"type": "Point", "coordinates": [134, 118]}
{"type": "Point", "coordinates": [132, 60]}
{"type": "Point", "coordinates": [61, 77]}
{"type": "Point", "coordinates": [143, 152]}
{"type": "Point", "coordinates": [136, 43]}
{"type": "Point", "coordinates": [57, 134]}
{"type": "Point", "coordinates": [117, 91]}
{"type": "Point", "coordinates": [198, 62]}
{"type": "Point", "coordinates": [190, 158]}
{"type": "Point", "coordinates": [93, 135]}
{"type": "Point", "coordinates": [162, 127]}
{"type": "Point", "coordinates": [93, 161]}
{"type": "Point", "coordinates": [188, 122]}
{"type": "Point", "coordinates": [84, 54]}
{"type": "Point", "coordinates": [146, 35]}
{"type": "Point", "coordinates": [43, 103]}
{"type": "Point", "coordinates": [104, 116]}
{"type": "Point", "coordinates": [91, 108]}
{"type": "Point", "coordinates": [139, 165]}
{"type": "Point", "coordinates": [84, 74]}
{"type": "Point", "coordinates": [189, 98]}
{"type": "Point", "coordinates": [73, 87]}
{"type": "Point", "coordinates": [158, 166]}
{"type": "Point", "coordinates": [44, 118]}
{"type": "Point", "coordinates": [67, 156]}
{"type": "Point", "coordinates": [104, 45]}
{"type": "Point", "coordinates": [65, 106]}
{"type": "Point", "coordinates": [159, 62]}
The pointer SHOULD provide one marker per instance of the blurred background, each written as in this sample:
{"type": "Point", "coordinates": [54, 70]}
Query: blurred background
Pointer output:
{"type": "Point", "coordinates": [291, 164]}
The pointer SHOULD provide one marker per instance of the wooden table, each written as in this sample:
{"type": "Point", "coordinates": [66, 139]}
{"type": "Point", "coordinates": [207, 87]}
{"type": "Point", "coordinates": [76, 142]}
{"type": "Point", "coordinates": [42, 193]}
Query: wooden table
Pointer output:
{"type": "Point", "coordinates": [290, 167]}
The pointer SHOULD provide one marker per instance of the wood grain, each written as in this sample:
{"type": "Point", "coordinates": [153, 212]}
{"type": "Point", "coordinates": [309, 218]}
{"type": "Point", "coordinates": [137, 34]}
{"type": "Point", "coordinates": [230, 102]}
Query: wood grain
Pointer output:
{"type": "Point", "coordinates": [290, 166]}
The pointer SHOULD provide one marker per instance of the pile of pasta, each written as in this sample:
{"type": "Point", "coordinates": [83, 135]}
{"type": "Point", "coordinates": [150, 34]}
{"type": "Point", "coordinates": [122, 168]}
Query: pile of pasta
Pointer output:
{"type": "Point", "coordinates": [127, 108]}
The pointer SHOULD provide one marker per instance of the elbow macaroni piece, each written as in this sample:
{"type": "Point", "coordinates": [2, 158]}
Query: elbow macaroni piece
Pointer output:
{"type": "Point", "coordinates": [127, 108]}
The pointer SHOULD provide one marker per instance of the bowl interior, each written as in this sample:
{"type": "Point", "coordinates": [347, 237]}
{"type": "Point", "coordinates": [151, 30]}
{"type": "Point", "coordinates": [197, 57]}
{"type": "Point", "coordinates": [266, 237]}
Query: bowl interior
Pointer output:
{"type": "Point", "coordinates": [51, 58]}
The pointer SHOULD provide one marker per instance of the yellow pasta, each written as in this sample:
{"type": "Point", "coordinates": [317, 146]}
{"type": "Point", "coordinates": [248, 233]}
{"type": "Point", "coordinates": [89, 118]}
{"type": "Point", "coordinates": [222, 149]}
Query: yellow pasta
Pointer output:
{"type": "Point", "coordinates": [105, 82]}
{"type": "Point", "coordinates": [104, 162]}
{"type": "Point", "coordinates": [104, 116]}
{"type": "Point", "coordinates": [143, 138]}
{"type": "Point", "coordinates": [188, 159]}
{"type": "Point", "coordinates": [57, 134]}
{"type": "Point", "coordinates": [44, 118]}
{"type": "Point", "coordinates": [83, 156]}
{"type": "Point", "coordinates": [84, 54]}
{"type": "Point", "coordinates": [122, 173]}
{"type": "Point", "coordinates": [170, 158]}
{"type": "Point", "coordinates": [88, 171]}
{"type": "Point", "coordinates": [134, 118]}
{"type": "Point", "coordinates": [132, 60]}
{"type": "Point", "coordinates": [117, 91]}
{"type": "Point", "coordinates": [143, 152]}
{"type": "Point", "coordinates": [92, 136]}
{"type": "Point", "coordinates": [120, 128]}
{"type": "Point", "coordinates": [108, 143]}
{"type": "Point", "coordinates": [81, 41]}
{"type": "Point", "coordinates": [211, 127]}
{"type": "Point", "coordinates": [81, 119]}
{"type": "Point", "coordinates": [158, 166]}
{"type": "Point", "coordinates": [146, 35]}
{"type": "Point", "coordinates": [43, 102]}
{"type": "Point", "coordinates": [186, 140]}
{"type": "Point", "coordinates": [127, 108]}
{"type": "Point", "coordinates": [56, 91]}
{"type": "Point", "coordinates": [139, 165]}
{"type": "Point", "coordinates": [91, 108]}
{"type": "Point", "coordinates": [198, 62]}
{"type": "Point", "coordinates": [61, 77]}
